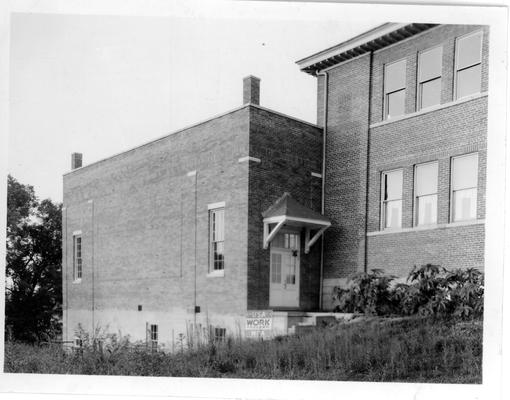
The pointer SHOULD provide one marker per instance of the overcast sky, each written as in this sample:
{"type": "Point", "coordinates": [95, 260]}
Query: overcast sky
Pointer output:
{"type": "Point", "coordinates": [103, 84]}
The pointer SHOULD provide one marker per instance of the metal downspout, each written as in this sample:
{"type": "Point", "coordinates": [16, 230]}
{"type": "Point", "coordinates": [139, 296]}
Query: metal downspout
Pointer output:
{"type": "Point", "coordinates": [324, 138]}
{"type": "Point", "coordinates": [367, 177]}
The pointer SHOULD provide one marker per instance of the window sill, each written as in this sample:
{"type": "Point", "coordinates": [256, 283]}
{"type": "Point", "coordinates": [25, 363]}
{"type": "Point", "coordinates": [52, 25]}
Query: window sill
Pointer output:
{"type": "Point", "coordinates": [427, 227]}
{"type": "Point", "coordinates": [216, 274]}
{"type": "Point", "coordinates": [429, 109]}
{"type": "Point", "coordinates": [77, 280]}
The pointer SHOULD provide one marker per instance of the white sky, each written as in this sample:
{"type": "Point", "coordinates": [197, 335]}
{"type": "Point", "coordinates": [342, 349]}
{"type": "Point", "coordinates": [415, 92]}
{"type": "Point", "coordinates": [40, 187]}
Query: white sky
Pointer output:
{"type": "Point", "coordinates": [103, 84]}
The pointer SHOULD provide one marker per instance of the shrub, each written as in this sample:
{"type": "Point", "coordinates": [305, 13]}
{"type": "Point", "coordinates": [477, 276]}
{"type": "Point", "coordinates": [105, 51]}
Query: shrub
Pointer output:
{"type": "Point", "coordinates": [367, 293]}
{"type": "Point", "coordinates": [430, 290]}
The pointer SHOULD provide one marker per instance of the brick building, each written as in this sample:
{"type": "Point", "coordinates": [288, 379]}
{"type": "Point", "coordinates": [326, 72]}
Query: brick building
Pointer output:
{"type": "Point", "coordinates": [256, 210]}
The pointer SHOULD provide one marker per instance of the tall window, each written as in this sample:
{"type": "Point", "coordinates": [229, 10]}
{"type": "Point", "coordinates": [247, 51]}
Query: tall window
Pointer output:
{"type": "Point", "coordinates": [468, 65]}
{"type": "Point", "coordinates": [217, 238]}
{"type": "Point", "coordinates": [391, 191]}
{"type": "Point", "coordinates": [429, 77]}
{"type": "Point", "coordinates": [425, 198]}
{"type": "Point", "coordinates": [464, 187]}
{"type": "Point", "coordinates": [77, 260]}
{"type": "Point", "coordinates": [394, 89]}
{"type": "Point", "coordinates": [154, 337]}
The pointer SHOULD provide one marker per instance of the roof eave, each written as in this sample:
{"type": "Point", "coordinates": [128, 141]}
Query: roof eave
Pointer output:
{"type": "Point", "coordinates": [375, 39]}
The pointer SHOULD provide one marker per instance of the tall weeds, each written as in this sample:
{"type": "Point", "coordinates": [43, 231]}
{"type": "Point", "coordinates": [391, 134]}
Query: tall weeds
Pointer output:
{"type": "Point", "coordinates": [416, 349]}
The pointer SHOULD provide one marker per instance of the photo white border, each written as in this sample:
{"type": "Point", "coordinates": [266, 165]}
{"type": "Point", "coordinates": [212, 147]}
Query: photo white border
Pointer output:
{"type": "Point", "coordinates": [496, 198]}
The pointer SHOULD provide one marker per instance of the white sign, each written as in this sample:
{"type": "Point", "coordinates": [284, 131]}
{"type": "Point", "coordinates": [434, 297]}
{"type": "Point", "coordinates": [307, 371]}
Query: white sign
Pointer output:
{"type": "Point", "coordinates": [259, 320]}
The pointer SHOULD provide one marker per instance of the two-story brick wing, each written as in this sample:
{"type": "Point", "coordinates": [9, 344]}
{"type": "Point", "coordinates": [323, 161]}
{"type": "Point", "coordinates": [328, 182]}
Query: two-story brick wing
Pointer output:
{"type": "Point", "coordinates": [404, 111]}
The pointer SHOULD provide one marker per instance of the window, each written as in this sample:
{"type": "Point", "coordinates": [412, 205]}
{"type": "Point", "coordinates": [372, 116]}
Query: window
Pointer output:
{"type": "Point", "coordinates": [425, 197]}
{"type": "Point", "coordinates": [276, 268]}
{"type": "Point", "coordinates": [286, 241]}
{"type": "Point", "coordinates": [464, 186]}
{"type": "Point", "coordinates": [468, 65]}
{"type": "Point", "coordinates": [394, 89]}
{"type": "Point", "coordinates": [154, 337]}
{"type": "Point", "coordinates": [217, 239]}
{"type": "Point", "coordinates": [77, 260]}
{"type": "Point", "coordinates": [220, 334]}
{"type": "Point", "coordinates": [429, 77]}
{"type": "Point", "coordinates": [391, 199]}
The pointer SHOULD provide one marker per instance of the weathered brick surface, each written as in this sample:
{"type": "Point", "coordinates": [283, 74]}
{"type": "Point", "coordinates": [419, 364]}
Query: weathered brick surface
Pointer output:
{"type": "Point", "coordinates": [428, 136]}
{"type": "Point", "coordinates": [290, 151]}
{"type": "Point", "coordinates": [139, 231]}
{"type": "Point", "coordinates": [450, 247]}
{"type": "Point", "coordinates": [141, 215]}
{"type": "Point", "coordinates": [345, 192]}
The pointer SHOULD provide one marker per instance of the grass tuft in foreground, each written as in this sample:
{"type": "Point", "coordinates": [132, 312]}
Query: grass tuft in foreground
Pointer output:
{"type": "Point", "coordinates": [406, 350]}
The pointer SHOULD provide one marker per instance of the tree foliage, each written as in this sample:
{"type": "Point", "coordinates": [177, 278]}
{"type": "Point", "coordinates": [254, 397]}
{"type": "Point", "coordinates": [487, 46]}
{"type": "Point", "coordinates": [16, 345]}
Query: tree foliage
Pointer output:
{"type": "Point", "coordinates": [33, 270]}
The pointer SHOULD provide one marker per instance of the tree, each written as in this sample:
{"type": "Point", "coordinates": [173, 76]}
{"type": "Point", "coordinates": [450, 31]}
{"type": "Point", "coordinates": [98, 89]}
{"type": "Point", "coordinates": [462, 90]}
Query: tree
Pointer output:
{"type": "Point", "coordinates": [34, 257]}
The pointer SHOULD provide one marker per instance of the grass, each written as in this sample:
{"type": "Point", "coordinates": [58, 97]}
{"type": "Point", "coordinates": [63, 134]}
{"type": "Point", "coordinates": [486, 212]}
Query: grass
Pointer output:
{"type": "Point", "coordinates": [405, 350]}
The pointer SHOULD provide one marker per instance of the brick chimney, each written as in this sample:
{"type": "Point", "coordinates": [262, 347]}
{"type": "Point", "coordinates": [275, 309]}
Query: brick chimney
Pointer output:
{"type": "Point", "coordinates": [76, 160]}
{"type": "Point", "coordinates": [251, 90]}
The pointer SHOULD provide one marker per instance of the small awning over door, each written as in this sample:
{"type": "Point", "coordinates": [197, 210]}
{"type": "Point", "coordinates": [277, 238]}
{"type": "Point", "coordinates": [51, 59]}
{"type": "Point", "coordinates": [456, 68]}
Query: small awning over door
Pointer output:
{"type": "Point", "coordinates": [286, 211]}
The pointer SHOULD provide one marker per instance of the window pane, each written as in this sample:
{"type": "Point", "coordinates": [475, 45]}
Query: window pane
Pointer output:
{"type": "Point", "coordinates": [219, 233]}
{"type": "Point", "coordinates": [469, 50]}
{"type": "Point", "coordinates": [393, 185]}
{"type": "Point", "coordinates": [430, 63]}
{"type": "Point", "coordinates": [469, 81]}
{"type": "Point", "coordinates": [465, 172]}
{"type": "Point", "coordinates": [218, 255]}
{"type": "Point", "coordinates": [291, 272]}
{"type": "Point", "coordinates": [426, 179]}
{"type": "Point", "coordinates": [430, 93]}
{"type": "Point", "coordinates": [426, 209]}
{"type": "Point", "coordinates": [393, 213]}
{"type": "Point", "coordinates": [278, 241]}
{"type": "Point", "coordinates": [395, 76]}
{"type": "Point", "coordinates": [276, 268]}
{"type": "Point", "coordinates": [396, 104]}
{"type": "Point", "coordinates": [464, 204]}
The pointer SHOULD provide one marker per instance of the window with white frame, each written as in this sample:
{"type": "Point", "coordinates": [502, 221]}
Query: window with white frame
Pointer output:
{"type": "Point", "coordinates": [77, 258]}
{"type": "Point", "coordinates": [425, 194]}
{"type": "Point", "coordinates": [154, 336]}
{"type": "Point", "coordinates": [468, 65]}
{"type": "Point", "coordinates": [391, 199]}
{"type": "Point", "coordinates": [430, 63]}
{"type": "Point", "coordinates": [464, 187]}
{"type": "Point", "coordinates": [217, 239]}
{"type": "Point", "coordinates": [394, 89]}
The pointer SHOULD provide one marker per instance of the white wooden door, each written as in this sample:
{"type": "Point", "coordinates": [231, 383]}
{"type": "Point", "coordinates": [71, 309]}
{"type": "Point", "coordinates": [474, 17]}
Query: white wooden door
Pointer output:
{"type": "Point", "coordinates": [284, 271]}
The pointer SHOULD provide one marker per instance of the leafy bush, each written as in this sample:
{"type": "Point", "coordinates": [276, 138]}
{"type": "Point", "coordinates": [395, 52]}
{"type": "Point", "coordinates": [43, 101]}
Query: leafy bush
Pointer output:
{"type": "Point", "coordinates": [367, 293]}
{"type": "Point", "coordinates": [430, 290]}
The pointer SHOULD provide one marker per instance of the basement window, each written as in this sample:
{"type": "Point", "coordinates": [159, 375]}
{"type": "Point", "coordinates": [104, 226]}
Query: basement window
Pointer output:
{"type": "Point", "coordinates": [468, 65]}
{"type": "Point", "coordinates": [154, 337]}
{"type": "Point", "coordinates": [430, 63]}
{"type": "Point", "coordinates": [394, 89]}
{"type": "Point", "coordinates": [77, 258]}
{"type": "Point", "coordinates": [220, 334]}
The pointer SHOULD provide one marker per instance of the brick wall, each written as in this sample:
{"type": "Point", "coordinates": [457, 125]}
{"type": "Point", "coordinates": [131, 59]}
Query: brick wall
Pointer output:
{"type": "Point", "coordinates": [139, 229]}
{"type": "Point", "coordinates": [438, 135]}
{"type": "Point", "coordinates": [345, 192]}
{"type": "Point", "coordinates": [289, 151]}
